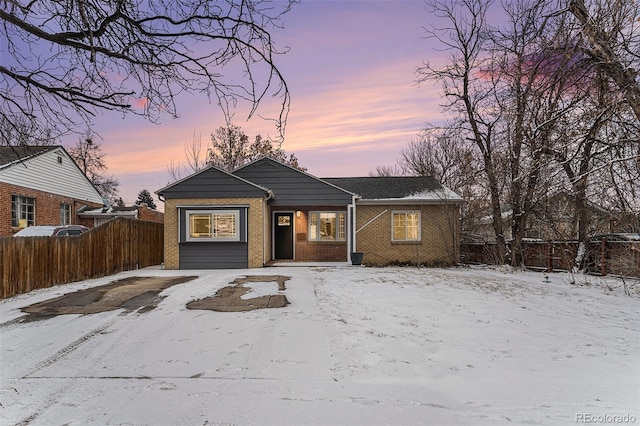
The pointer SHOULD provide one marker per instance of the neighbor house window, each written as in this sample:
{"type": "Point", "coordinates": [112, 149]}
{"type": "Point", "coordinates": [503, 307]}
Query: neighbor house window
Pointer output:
{"type": "Point", "coordinates": [65, 214]}
{"type": "Point", "coordinates": [216, 225]}
{"type": "Point", "coordinates": [327, 226]}
{"type": "Point", "coordinates": [406, 226]}
{"type": "Point", "coordinates": [22, 211]}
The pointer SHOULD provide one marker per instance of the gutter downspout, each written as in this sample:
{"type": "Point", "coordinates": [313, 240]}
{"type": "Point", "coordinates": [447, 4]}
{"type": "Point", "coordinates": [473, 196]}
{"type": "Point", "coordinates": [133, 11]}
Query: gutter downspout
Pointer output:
{"type": "Point", "coordinates": [265, 226]}
{"type": "Point", "coordinates": [351, 208]}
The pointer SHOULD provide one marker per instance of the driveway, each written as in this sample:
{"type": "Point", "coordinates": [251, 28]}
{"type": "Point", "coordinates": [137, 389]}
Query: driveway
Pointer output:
{"type": "Point", "coordinates": [167, 365]}
{"type": "Point", "coordinates": [353, 346]}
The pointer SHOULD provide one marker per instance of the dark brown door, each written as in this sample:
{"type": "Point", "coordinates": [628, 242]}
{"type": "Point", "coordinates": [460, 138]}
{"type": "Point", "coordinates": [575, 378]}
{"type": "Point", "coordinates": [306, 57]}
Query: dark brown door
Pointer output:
{"type": "Point", "coordinates": [283, 235]}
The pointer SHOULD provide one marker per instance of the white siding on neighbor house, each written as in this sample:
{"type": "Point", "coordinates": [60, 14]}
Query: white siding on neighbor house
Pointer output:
{"type": "Point", "coordinates": [44, 173]}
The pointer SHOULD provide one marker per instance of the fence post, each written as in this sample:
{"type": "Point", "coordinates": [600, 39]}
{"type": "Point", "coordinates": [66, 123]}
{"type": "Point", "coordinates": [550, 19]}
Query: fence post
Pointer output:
{"type": "Point", "coordinates": [603, 257]}
{"type": "Point", "coordinates": [550, 257]}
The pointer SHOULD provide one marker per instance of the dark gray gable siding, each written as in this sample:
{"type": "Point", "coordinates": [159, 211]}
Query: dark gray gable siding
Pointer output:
{"type": "Point", "coordinates": [292, 187]}
{"type": "Point", "coordinates": [372, 188]}
{"type": "Point", "coordinates": [212, 183]}
{"type": "Point", "coordinates": [214, 256]}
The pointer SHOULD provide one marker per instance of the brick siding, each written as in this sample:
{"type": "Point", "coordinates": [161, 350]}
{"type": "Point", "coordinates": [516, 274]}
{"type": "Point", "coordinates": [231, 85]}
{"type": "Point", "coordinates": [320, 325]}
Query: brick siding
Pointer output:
{"type": "Point", "coordinates": [47, 207]}
{"type": "Point", "coordinates": [439, 243]}
{"type": "Point", "coordinates": [305, 250]}
{"type": "Point", "coordinates": [439, 236]}
{"type": "Point", "coordinates": [150, 215]}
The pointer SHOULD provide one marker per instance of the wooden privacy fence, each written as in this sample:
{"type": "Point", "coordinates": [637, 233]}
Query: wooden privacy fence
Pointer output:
{"type": "Point", "coordinates": [600, 257]}
{"type": "Point", "coordinates": [30, 263]}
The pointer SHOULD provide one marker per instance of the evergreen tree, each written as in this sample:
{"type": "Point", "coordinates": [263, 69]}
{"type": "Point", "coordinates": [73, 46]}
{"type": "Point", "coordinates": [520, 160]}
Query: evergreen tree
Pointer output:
{"type": "Point", "coordinates": [144, 196]}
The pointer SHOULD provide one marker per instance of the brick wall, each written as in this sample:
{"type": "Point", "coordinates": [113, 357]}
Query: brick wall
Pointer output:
{"type": "Point", "coordinates": [255, 233]}
{"type": "Point", "coordinates": [305, 250]}
{"type": "Point", "coordinates": [47, 207]}
{"type": "Point", "coordinates": [439, 243]}
{"type": "Point", "coordinates": [150, 215]}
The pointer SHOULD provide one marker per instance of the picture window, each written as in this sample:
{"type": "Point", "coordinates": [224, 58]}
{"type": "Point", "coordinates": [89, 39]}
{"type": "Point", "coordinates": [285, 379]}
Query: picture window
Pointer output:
{"type": "Point", "coordinates": [405, 226]}
{"type": "Point", "coordinates": [327, 226]}
{"type": "Point", "coordinates": [216, 225]}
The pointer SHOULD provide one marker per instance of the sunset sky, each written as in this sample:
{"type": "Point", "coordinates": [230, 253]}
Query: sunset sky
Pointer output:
{"type": "Point", "coordinates": [355, 103]}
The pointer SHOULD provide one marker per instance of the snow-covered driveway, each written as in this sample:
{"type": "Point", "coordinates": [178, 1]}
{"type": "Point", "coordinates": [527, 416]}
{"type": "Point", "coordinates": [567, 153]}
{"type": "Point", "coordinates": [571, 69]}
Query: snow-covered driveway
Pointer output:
{"type": "Point", "coordinates": [355, 346]}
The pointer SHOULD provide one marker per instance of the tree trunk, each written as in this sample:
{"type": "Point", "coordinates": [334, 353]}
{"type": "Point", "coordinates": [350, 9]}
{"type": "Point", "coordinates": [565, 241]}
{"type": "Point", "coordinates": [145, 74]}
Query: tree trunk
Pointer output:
{"type": "Point", "coordinates": [607, 60]}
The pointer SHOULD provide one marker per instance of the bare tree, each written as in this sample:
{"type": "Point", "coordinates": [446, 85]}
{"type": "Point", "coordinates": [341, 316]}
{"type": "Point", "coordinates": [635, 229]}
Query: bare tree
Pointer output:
{"type": "Point", "coordinates": [24, 132]}
{"type": "Point", "coordinates": [89, 156]}
{"type": "Point", "coordinates": [267, 148]}
{"type": "Point", "coordinates": [195, 159]}
{"type": "Point", "coordinates": [439, 153]}
{"type": "Point", "coordinates": [229, 148]}
{"type": "Point", "coordinates": [468, 92]}
{"type": "Point", "coordinates": [67, 60]}
{"type": "Point", "coordinates": [611, 28]}
{"type": "Point", "coordinates": [387, 171]}
{"type": "Point", "coordinates": [443, 155]}
{"type": "Point", "coordinates": [546, 111]}
{"type": "Point", "coordinates": [538, 83]}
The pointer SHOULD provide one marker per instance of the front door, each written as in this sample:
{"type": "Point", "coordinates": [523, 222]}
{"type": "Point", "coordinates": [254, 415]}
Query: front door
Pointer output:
{"type": "Point", "coordinates": [283, 235]}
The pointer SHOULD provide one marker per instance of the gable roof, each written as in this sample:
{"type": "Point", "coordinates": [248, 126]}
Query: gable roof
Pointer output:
{"type": "Point", "coordinates": [291, 186]}
{"type": "Point", "coordinates": [212, 182]}
{"type": "Point", "coordinates": [276, 163]}
{"type": "Point", "coordinates": [10, 155]}
{"type": "Point", "coordinates": [49, 169]}
{"type": "Point", "coordinates": [397, 189]}
{"type": "Point", "coordinates": [288, 186]}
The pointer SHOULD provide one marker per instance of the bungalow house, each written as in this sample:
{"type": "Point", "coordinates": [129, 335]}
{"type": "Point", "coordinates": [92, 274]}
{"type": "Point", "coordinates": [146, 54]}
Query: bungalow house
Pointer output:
{"type": "Point", "coordinates": [268, 211]}
{"type": "Point", "coordinates": [42, 185]}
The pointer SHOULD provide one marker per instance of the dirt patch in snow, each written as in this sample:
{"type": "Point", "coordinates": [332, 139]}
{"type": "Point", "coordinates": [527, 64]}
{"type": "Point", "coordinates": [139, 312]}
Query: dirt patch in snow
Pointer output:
{"type": "Point", "coordinates": [134, 293]}
{"type": "Point", "coordinates": [229, 299]}
{"type": "Point", "coordinates": [142, 294]}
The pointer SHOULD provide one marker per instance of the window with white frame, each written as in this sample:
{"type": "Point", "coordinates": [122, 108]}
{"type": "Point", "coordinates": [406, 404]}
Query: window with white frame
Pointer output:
{"type": "Point", "coordinates": [213, 225]}
{"type": "Point", "coordinates": [405, 226]}
{"type": "Point", "coordinates": [327, 226]}
{"type": "Point", "coordinates": [65, 214]}
{"type": "Point", "coordinates": [23, 211]}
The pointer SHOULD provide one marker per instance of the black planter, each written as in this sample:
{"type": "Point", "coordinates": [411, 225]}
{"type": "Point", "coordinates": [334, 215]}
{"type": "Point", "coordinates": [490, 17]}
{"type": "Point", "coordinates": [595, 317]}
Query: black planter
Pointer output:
{"type": "Point", "coordinates": [356, 258]}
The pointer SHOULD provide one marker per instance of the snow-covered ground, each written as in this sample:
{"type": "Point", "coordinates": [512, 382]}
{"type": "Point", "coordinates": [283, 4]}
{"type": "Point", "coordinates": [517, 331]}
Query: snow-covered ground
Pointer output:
{"type": "Point", "coordinates": [356, 346]}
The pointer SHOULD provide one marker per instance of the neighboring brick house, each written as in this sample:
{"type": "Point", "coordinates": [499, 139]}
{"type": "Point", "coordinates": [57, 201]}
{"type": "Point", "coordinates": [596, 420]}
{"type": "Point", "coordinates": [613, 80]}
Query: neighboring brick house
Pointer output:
{"type": "Point", "coordinates": [42, 185]}
{"type": "Point", "coordinates": [105, 214]}
{"type": "Point", "coordinates": [268, 211]}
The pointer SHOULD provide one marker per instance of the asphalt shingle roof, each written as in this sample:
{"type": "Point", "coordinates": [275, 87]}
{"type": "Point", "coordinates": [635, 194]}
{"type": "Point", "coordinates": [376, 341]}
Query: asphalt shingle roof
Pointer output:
{"type": "Point", "coordinates": [12, 154]}
{"type": "Point", "coordinates": [372, 188]}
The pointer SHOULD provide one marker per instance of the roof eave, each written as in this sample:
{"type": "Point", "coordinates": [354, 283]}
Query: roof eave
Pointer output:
{"type": "Point", "coordinates": [98, 215]}
{"type": "Point", "coordinates": [160, 192]}
{"type": "Point", "coordinates": [408, 201]}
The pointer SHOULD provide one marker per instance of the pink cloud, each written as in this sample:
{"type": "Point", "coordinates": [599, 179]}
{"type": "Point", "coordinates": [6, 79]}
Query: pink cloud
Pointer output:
{"type": "Point", "coordinates": [354, 104]}
{"type": "Point", "coordinates": [140, 103]}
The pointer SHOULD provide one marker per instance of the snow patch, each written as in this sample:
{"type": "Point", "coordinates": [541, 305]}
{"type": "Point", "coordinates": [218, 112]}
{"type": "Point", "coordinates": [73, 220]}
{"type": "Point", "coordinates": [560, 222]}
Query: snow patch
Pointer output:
{"type": "Point", "coordinates": [365, 346]}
